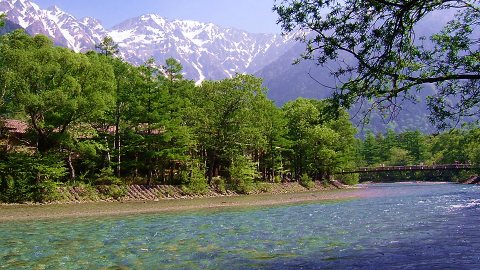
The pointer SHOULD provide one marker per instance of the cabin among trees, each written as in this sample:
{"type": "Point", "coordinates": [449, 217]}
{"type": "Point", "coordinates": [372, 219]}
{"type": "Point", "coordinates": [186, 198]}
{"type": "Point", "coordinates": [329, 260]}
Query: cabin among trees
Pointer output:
{"type": "Point", "coordinates": [12, 134]}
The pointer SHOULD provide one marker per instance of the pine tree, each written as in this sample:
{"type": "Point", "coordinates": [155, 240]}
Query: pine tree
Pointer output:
{"type": "Point", "coordinates": [107, 47]}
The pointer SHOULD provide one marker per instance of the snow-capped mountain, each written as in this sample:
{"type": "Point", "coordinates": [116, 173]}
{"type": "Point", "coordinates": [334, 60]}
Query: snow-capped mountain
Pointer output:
{"type": "Point", "coordinates": [205, 50]}
{"type": "Point", "coordinates": [63, 28]}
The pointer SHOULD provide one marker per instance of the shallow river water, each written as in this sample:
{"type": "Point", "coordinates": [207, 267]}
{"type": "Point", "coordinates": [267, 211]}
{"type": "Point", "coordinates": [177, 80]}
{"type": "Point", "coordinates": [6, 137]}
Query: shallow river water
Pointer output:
{"type": "Point", "coordinates": [396, 226]}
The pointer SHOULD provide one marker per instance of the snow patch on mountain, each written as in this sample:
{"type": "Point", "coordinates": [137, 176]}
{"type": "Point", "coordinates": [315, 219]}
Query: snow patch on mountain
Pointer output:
{"type": "Point", "coordinates": [205, 50]}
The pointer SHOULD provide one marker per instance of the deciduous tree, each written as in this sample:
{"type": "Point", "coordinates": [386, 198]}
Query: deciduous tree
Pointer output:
{"type": "Point", "coordinates": [376, 52]}
{"type": "Point", "coordinates": [54, 87]}
{"type": "Point", "coordinates": [226, 125]}
{"type": "Point", "coordinates": [320, 144]}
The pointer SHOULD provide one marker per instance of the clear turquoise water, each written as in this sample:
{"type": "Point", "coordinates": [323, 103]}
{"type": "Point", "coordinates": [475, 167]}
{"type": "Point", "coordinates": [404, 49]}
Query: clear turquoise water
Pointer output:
{"type": "Point", "coordinates": [399, 226]}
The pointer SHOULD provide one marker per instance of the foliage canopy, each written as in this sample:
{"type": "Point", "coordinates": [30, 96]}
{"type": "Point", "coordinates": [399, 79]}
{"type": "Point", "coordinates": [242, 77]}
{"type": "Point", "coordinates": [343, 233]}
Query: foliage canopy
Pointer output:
{"type": "Point", "coordinates": [379, 53]}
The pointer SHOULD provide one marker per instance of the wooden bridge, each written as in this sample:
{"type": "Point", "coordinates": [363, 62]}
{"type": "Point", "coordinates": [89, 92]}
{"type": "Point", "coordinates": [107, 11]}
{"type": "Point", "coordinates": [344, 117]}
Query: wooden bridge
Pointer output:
{"type": "Point", "coordinates": [436, 167]}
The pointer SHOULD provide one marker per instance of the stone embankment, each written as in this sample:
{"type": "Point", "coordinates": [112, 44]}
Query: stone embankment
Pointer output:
{"type": "Point", "coordinates": [472, 180]}
{"type": "Point", "coordinates": [80, 194]}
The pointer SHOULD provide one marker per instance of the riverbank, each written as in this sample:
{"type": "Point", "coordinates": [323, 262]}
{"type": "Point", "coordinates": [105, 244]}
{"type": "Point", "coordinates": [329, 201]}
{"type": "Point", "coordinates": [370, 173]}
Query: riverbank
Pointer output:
{"type": "Point", "coordinates": [473, 180]}
{"type": "Point", "coordinates": [84, 193]}
{"type": "Point", "coordinates": [292, 193]}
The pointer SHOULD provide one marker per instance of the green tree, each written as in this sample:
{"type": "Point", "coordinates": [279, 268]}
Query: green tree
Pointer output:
{"type": "Point", "coordinates": [243, 173]}
{"type": "Point", "coordinates": [384, 143]}
{"type": "Point", "coordinates": [107, 47]}
{"type": "Point", "coordinates": [127, 80]}
{"type": "Point", "coordinates": [179, 139]}
{"type": "Point", "coordinates": [321, 153]}
{"type": "Point", "coordinates": [225, 123]}
{"type": "Point", "coordinates": [194, 181]}
{"type": "Point", "coordinates": [457, 145]}
{"type": "Point", "coordinates": [473, 146]}
{"type": "Point", "coordinates": [347, 146]}
{"type": "Point", "coordinates": [379, 54]}
{"type": "Point", "coordinates": [301, 115]}
{"type": "Point", "coordinates": [390, 140]}
{"type": "Point", "coordinates": [148, 118]}
{"type": "Point", "coordinates": [54, 87]}
{"type": "Point", "coordinates": [161, 138]}
{"type": "Point", "coordinates": [399, 157]}
{"type": "Point", "coordinates": [414, 142]}
{"type": "Point", "coordinates": [2, 19]}
{"type": "Point", "coordinates": [26, 177]}
{"type": "Point", "coordinates": [370, 150]}
{"type": "Point", "coordinates": [272, 124]}
{"type": "Point", "coordinates": [122, 72]}
{"type": "Point", "coordinates": [172, 69]}
{"type": "Point", "coordinates": [321, 145]}
{"type": "Point", "coordinates": [449, 148]}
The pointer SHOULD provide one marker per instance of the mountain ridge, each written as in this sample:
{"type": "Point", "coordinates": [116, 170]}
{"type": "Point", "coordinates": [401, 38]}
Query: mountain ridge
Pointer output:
{"type": "Point", "coordinates": [206, 51]}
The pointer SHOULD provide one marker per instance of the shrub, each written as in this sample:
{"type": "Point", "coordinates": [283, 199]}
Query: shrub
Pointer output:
{"type": "Point", "coordinates": [107, 184]}
{"type": "Point", "coordinates": [242, 175]}
{"type": "Point", "coordinates": [306, 181]}
{"type": "Point", "coordinates": [194, 181]}
{"type": "Point", "coordinates": [219, 184]}
{"type": "Point", "coordinates": [463, 175]}
{"type": "Point", "coordinates": [170, 191]}
{"type": "Point", "coordinates": [48, 192]}
{"type": "Point", "coordinates": [263, 187]}
{"type": "Point", "coordinates": [113, 191]}
{"type": "Point", "coordinates": [277, 179]}
{"type": "Point", "coordinates": [349, 179]}
{"type": "Point", "coordinates": [25, 177]}
{"type": "Point", "coordinates": [14, 190]}
{"type": "Point", "coordinates": [86, 191]}
{"type": "Point", "coordinates": [107, 177]}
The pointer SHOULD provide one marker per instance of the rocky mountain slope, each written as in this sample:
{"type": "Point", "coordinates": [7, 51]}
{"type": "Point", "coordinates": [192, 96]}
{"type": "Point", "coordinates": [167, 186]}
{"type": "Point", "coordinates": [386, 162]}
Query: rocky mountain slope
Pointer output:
{"type": "Point", "coordinates": [206, 51]}
{"type": "Point", "coordinates": [62, 27]}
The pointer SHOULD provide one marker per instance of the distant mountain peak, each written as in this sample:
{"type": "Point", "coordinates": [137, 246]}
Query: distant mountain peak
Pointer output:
{"type": "Point", "coordinates": [23, 4]}
{"type": "Point", "coordinates": [206, 51]}
{"type": "Point", "coordinates": [91, 21]}
{"type": "Point", "coordinates": [55, 9]}
{"type": "Point", "coordinates": [159, 20]}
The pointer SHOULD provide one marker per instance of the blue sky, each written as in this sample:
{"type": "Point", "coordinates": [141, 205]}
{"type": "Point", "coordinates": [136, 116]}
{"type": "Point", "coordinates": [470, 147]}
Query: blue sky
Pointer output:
{"type": "Point", "coordinates": [255, 16]}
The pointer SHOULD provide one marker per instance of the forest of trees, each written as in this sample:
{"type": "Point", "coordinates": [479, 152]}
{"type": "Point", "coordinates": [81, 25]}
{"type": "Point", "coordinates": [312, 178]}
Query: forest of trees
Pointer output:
{"type": "Point", "coordinates": [414, 148]}
{"type": "Point", "coordinates": [91, 118]}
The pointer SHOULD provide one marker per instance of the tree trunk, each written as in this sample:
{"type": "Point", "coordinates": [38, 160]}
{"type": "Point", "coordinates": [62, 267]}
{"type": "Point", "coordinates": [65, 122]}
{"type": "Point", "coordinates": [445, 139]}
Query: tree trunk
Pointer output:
{"type": "Point", "coordinates": [43, 143]}
{"type": "Point", "coordinates": [71, 168]}
{"type": "Point", "coordinates": [117, 139]}
{"type": "Point", "coordinates": [118, 148]}
{"type": "Point", "coordinates": [136, 165]}
{"type": "Point", "coordinates": [119, 159]}
{"type": "Point", "coordinates": [150, 176]}
{"type": "Point", "coordinates": [109, 158]}
{"type": "Point", "coordinates": [172, 171]}
{"type": "Point", "coordinates": [211, 167]}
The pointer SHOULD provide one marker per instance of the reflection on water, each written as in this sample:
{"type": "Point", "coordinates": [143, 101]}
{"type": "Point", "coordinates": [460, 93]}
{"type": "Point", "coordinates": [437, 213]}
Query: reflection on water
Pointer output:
{"type": "Point", "coordinates": [398, 226]}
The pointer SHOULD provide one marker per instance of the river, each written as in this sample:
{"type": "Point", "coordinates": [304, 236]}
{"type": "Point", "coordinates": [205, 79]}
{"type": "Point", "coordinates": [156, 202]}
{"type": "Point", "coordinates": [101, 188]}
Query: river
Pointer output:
{"type": "Point", "coordinates": [394, 226]}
